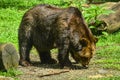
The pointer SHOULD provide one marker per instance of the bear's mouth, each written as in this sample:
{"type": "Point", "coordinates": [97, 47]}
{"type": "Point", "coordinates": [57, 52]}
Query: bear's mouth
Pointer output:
{"type": "Point", "coordinates": [84, 66]}
{"type": "Point", "coordinates": [83, 62]}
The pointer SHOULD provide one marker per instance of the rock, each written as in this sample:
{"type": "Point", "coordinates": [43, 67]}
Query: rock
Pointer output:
{"type": "Point", "coordinates": [8, 56]}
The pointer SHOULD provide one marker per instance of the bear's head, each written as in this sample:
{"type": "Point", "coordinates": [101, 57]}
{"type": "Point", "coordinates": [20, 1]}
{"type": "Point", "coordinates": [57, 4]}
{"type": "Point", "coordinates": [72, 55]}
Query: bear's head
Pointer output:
{"type": "Point", "coordinates": [83, 42]}
{"type": "Point", "coordinates": [88, 49]}
{"type": "Point", "coordinates": [84, 51]}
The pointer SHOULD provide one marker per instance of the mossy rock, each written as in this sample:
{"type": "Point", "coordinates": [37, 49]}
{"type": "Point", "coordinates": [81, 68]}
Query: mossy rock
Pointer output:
{"type": "Point", "coordinates": [8, 56]}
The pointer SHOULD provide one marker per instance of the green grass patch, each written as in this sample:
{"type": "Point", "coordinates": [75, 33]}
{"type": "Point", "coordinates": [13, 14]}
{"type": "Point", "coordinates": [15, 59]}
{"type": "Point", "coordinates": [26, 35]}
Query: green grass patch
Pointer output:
{"type": "Point", "coordinates": [110, 39]}
{"type": "Point", "coordinates": [11, 73]}
{"type": "Point", "coordinates": [109, 78]}
{"type": "Point", "coordinates": [109, 53]}
{"type": "Point", "coordinates": [18, 4]}
{"type": "Point", "coordinates": [102, 78]}
{"type": "Point", "coordinates": [9, 22]}
{"type": "Point", "coordinates": [24, 4]}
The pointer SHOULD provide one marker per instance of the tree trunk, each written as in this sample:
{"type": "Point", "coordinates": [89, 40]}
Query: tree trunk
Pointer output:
{"type": "Point", "coordinates": [8, 57]}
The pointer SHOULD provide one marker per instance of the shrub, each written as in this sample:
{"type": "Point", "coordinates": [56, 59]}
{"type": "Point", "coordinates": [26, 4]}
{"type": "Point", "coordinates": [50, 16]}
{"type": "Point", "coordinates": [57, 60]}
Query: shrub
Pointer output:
{"type": "Point", "coordinates": [91, 15]}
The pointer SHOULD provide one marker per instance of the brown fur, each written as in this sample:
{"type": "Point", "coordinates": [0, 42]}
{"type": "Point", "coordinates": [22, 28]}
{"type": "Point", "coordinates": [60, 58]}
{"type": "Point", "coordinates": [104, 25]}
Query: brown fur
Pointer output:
{"type": "Point", "coordinates": [44, 25]}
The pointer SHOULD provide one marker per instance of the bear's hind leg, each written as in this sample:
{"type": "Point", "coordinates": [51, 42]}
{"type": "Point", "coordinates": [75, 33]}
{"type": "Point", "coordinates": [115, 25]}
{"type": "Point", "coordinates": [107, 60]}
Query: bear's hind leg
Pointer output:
{"type": "Point", "coordinates": [46, 58]}
{"type": "Point", "coordinates": [24, 54]}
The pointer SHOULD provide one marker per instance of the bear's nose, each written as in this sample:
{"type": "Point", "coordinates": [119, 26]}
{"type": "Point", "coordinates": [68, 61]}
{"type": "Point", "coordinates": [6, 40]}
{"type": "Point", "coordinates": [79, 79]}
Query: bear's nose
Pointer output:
{"type": "Point", "coordinates": [85, 66]}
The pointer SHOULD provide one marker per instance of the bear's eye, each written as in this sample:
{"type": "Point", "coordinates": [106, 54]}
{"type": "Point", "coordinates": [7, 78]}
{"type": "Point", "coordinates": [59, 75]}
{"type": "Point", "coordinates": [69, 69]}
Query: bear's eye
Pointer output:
{"type": "Point", "coordinates": [83, 42]}
{"type": "Point", "coordinates": [78, 48]}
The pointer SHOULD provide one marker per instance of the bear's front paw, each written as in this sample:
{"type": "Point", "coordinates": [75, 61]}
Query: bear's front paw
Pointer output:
{"type": "Point", "coordinates": [66, 65]}
{"type": "Point", "coordinates": [24, 63]}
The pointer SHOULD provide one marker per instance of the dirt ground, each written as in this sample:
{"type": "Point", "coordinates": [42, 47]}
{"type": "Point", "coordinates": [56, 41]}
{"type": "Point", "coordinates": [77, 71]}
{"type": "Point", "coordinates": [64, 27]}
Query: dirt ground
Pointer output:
{"type": "Point", "coordinates": [52, 72]}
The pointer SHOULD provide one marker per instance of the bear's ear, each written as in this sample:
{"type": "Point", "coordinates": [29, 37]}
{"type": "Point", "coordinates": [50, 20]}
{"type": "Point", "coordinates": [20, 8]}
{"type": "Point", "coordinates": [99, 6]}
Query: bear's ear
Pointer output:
{"type": "Point", "coordinates": [84, 42]}
{"type": "Point", "coordinates": [95, 39]}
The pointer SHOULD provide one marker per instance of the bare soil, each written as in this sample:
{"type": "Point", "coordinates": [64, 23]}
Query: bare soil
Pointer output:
{"type": "Point", "coordinates": [39, 71]}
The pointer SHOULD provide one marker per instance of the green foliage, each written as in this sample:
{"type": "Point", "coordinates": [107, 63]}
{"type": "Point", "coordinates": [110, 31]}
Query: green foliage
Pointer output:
{"type": "Point", "coordinates": [108, 51]}
{"type": "Point", "coordinates": [53, 2]}
{"type": "Point", "coordinates": [9, 21]}
{"type": "Point", "coordinates": [102, 78]}
{"type": "Point", "coordinates": [11, 73]}
{"type": "Point", "coordinates": [109, 40]}
{"type": "Point", "coordinates": [108, 78]}
{"type": "Point", "coordinates": [93, 12]}
{"type": "Point", "coordinates": [105, 0]}
{"type": "Point", "coordinates": [91, 15]}
{"type": "Point", "coordinates": [21, 4]}
{"type": "Point", "coordinates": [109, 57]}
{"type": "Point", "coordinates": [75, 3]}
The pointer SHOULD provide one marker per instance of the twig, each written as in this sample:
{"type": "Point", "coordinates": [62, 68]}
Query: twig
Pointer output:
{"type": "Point", "coordinates": [55, 73]}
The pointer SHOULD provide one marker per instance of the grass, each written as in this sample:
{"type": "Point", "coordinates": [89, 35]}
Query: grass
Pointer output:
{"type": "Point", "coordinates": [10, 16]}
{"type": "Point", "coordinates": [9, 21]}
{"type": "Point", "coordinates": [11, 73]}
{"type": "Point", "coordinates": [102, 78]}
{"type": "Point", "coordinates": [109, 57]}
{"type": "Point", "coordinates": [111, 39]}
{"type": "Point", "coordinates": [109, 51]}
{"type": "Point", "coordinates": [110, 78]}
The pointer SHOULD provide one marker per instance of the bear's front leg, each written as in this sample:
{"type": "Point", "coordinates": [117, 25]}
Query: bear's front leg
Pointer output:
{"type": "Point", "coordinates": [63, 55]}
{"type": "Point", "coordinates": [25, 45]}
{"type": "Point", "coordinates": [63, 58]}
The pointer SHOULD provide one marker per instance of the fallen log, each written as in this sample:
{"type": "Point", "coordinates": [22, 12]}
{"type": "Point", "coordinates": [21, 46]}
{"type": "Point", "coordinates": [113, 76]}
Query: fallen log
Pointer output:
{"type": "Point", "coordinates": [112, 20]}
{"type": "Point", "coordinates": [8, 57]}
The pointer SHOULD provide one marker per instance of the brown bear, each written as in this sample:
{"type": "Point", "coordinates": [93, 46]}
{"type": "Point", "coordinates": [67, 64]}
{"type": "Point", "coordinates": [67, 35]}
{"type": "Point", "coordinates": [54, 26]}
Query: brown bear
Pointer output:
{"type": "Point", "coordinates": [46, 27]}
